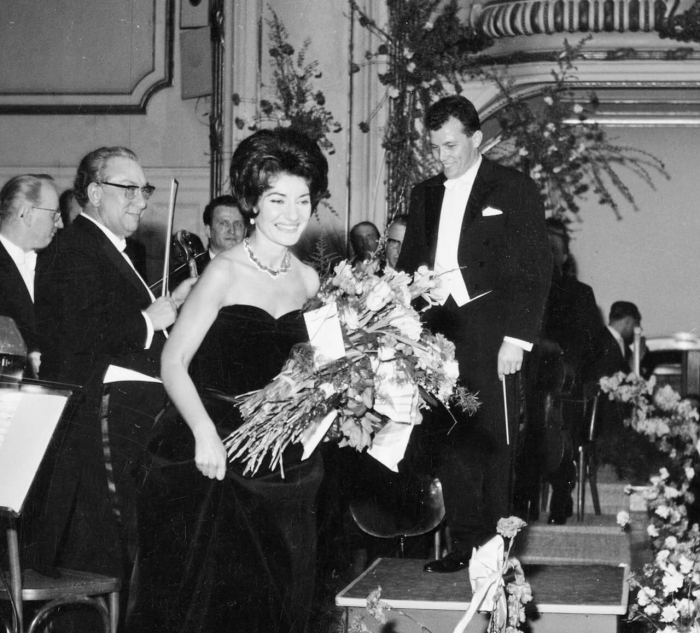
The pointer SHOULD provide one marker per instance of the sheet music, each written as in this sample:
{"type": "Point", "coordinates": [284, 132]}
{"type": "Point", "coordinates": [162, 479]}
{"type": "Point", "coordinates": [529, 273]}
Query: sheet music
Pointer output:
{"type": "Point", "coordinates": [27, 422]}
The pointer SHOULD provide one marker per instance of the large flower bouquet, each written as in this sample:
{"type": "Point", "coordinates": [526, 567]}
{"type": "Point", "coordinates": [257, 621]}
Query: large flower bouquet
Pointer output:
{"type": "Point", "coordinates": [389, 368]}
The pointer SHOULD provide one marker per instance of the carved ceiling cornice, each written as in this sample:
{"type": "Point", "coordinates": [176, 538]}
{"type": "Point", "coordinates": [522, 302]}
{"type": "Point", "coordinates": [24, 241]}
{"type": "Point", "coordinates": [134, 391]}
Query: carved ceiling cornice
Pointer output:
{"type": "Point", "coordinates": [638, 77]}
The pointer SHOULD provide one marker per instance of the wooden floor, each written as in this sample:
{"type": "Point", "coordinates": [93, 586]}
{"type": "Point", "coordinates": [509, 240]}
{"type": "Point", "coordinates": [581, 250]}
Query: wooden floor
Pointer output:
{"type": "Point", "coordinates": [572, 598]}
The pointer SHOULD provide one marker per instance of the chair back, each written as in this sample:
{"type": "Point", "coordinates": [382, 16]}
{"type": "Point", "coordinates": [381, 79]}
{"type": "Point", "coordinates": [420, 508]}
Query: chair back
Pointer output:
{"type": "Point", "coordinates": [417, 509]}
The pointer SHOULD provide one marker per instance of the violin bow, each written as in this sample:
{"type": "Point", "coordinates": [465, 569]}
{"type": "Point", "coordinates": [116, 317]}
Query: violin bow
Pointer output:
{"type": "Point", "coordinates": [171, 214]}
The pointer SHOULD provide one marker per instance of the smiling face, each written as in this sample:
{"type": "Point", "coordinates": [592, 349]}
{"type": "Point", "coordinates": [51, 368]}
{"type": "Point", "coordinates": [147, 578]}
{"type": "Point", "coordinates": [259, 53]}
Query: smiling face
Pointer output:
{"type": "Point", "coordinates": [453, 149]}
{"type": "Point", "coordinates": [284, 210]}
{"type": "Point", "coordinates": [119, 214]}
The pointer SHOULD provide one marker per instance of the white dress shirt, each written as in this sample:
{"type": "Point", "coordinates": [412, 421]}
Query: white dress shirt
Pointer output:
{"type": "Point", "coordinates": [454, 205]}
{"type": "Point", "coordinates": [120, 245]}
{"type": "Point", "coordinates": [25, 262]}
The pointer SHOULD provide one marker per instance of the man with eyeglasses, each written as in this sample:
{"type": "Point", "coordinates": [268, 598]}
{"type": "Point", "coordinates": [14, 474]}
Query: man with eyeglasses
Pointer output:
{"type": "Point", "coordinates": [101, 313]}
{"type": "Point", "coordinates": [29, 219]}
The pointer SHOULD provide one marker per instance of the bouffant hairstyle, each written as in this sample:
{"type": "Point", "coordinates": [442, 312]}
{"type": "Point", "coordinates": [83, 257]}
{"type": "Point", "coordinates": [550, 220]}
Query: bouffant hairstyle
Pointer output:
{"type": "Point", "coordinates": [263, 156]}
{"type": "Point", "coordinates": [92, 168]}
{"type": "Point", "coordinates": [22, 189]}
{"type": "Point", "coordinates": [454, 106]}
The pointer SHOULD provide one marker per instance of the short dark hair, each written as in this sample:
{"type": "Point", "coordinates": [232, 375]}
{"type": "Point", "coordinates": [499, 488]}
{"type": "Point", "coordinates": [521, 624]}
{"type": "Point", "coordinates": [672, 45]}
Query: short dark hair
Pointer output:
{"type": "Point", "coordinates": [454, 106]}
{"type": "Point", "coordinates": [219, 201]}
{"type": "Point", "coordinates": [64, 201]}
{"type": "Point", "coordinates": [263, 156]}
{"type": "Point", "coordinates": [26, 187]}
{"type": "Point", "coordinates": [91, 169]}
{"type": "Point", "coordinates": [401, 219]}
{"type": "Point", "coordinates": [621, 309]}
{"type": "Point", "coordinates": [558, 227]}
{"type": "Point", "coordinates": [353, 234]}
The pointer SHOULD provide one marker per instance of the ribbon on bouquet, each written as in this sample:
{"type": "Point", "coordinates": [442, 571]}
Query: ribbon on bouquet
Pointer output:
{"type": "Point", "coordinates": [399, 401]}
{"type": "Point", "coordinates": [486, 570]}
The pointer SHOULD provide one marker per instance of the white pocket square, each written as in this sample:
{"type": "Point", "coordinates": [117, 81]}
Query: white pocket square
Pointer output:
{"type": "Point", "coordinates": [491, 211]}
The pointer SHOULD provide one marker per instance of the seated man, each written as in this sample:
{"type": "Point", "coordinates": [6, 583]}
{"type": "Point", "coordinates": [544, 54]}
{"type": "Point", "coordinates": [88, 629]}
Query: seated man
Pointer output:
{"type": "Point", "coordinates": [29, 219]}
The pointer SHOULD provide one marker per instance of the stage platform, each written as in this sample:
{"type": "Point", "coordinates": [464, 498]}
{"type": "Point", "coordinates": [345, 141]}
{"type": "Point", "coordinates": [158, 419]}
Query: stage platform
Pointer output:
{"type": "Point", "coordinates": [572, 598]}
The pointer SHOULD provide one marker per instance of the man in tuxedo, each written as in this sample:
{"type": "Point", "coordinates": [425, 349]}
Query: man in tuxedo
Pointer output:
{"type": "Point", "coordinates": [480, 225]}
{"type": "Point", "coordinates": [29, 219]}
{"type": "Point", "coordinates": [99, 313]}
{"type": "Point", "coordinates": [613, 350]}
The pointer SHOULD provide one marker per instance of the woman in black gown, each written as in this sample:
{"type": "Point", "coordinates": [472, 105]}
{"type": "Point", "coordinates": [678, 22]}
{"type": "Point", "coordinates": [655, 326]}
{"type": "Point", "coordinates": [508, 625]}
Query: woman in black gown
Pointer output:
{"type": "Point", "coordinates": [220, 551]}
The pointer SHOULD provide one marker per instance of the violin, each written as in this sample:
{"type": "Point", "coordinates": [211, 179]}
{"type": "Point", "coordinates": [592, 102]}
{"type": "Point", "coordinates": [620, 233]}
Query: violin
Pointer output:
{"type": "Point", "coordinates": [186, 247]}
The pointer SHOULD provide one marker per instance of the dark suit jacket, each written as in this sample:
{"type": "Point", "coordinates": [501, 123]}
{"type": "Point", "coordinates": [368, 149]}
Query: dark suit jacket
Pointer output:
{"type": "Point", "coordinates": [91, 303]}
{"type": "Point", "coordinates": [507, 253]}
{"type": "Point", "coordinates": [607, 359]}
{"type": "Point", "coordinates": [16, 302]}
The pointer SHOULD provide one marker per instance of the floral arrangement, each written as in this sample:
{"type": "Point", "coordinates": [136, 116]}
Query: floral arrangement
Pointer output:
{"type": "Point", "coordinates": [428, 50]}
{"type": "Point", "coordinates": [667, 593]}
{"type": "Point", "coordinates": [387, 351]}
{"type": "Point", "coordinates": [566, 155]}
{"type": "Point", "coordinates": [298, 103]}
{"type": "Point", "coordinates": [430, 53]}
{"type": "Point", "coordinates": [487, 570]}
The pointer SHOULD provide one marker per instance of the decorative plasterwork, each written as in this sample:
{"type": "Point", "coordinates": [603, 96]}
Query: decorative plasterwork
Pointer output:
{"type": "Point", "coordinates": [83, 57]}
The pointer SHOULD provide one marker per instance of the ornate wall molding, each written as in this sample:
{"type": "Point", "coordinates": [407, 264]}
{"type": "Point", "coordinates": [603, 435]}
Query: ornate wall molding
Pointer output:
{"type": "Point", "coordinates": [84, 57]}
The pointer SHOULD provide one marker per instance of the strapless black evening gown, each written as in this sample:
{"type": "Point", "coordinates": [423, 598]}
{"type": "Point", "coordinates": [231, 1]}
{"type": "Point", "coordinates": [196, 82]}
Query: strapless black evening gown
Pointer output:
{"type": "Point", "coordinates": [237, 554]}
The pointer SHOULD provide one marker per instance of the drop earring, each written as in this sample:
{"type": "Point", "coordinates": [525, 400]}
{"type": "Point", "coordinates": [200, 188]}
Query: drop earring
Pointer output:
{"type": "Point", "coordinates": [252, 221]}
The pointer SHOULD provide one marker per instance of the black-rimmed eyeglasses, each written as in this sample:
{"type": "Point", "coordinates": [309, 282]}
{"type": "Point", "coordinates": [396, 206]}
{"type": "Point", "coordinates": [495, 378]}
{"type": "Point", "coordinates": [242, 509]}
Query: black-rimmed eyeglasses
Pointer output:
{"type": "Point", "coordinates": [130, 190]}
{"type": "Point", "coordinates": [55, 213]}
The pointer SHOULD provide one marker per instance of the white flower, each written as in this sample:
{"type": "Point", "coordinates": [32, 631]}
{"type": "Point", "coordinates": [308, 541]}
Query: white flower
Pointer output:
{"type": "Point", "coordinates": [685, 564]}
{"type": "Point", "coordinates": [652, 609]}
{"type": "Point", "coordinates": [406, 323]}
{"type": "Point", "coordinates": [669, 614]}
{"type": "Point", "coordinates": [411, 67]}
{"type": "Point", "coordinates": [671, 493]}
{"type": "Point", "coordinates": [407, 53]}
{"type": "Point", "coordinates": [623, 519]}
{"type": "Point", "coordinates": [664, 473]}
{"type": "Point", "coordinates": [550, 126]}
{"type": "Point", "coordinates": [393, 92]}
{"type": "Point", "coordinates": [689, 473]}
{"type": "Point", "coordinates": [378, 296]}
{"type": "Point", "coordinates": [385, 353]}
{"type": "Point", "coordinates": [523, 151]}
{"type": "Point", "coordinates": [662, 556]}
{"type": "Point", "coordinates": [663, 511]}
{"type": "Point", "coordinates": [548, 100]}
{"type": "Point", "coordinates": [672, 580]}
{"type": "Point", "coordinates": [428, 26]}
{"type": "Point", "coordinates": [578, 109]}
{"type": "Point", "coordinates": [350, 317]}
{"type": "Point", "coordinates": [645, 596]}
{"type": "Point", "coordinates": [671, 542]}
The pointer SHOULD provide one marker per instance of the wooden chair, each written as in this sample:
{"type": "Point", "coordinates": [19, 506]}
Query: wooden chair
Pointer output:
{"type": "Point", "coordinates": [72, 588]}
{"type": "Point", "coordinates": [588, 465]}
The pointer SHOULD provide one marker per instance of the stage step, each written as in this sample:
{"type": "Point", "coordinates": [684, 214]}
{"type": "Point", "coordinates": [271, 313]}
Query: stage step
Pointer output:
{"type": "Point", "coordinates": [571, 598]}
{"type": "Point", "coordinates": [595, 540]}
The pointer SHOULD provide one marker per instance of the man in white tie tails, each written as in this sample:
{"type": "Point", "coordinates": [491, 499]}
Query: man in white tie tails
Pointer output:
{"type": "Point", "coordinates": [101, 313]}
{"type": "Point", "coordinates": [482, 226]}
{"type": "Point", "coordinates": [29, 219]}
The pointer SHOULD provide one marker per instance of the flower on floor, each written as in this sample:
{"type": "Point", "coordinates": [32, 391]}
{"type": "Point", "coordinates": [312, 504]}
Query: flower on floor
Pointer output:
{"type": "Point", "coordinates": [388, 367]}
{"type": "Point", "coordinates": [623, 520]}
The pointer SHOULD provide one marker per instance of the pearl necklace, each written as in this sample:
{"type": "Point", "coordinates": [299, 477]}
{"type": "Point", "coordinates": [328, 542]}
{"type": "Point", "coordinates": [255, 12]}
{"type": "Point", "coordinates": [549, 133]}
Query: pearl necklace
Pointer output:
{"type": "Point", "coordinates": [274, 273]}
